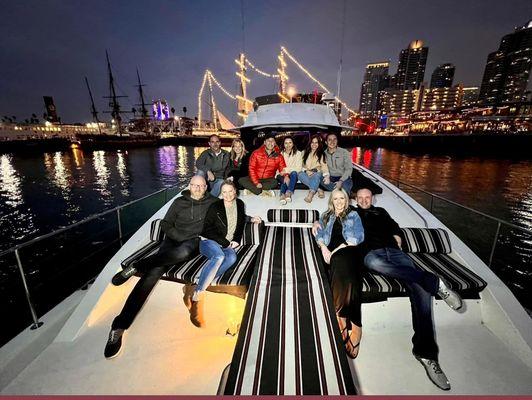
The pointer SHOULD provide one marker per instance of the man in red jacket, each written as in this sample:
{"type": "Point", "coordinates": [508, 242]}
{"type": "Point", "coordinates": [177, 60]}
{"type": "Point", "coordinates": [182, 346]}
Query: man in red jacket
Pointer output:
{"type": "Point", "coordinates": [264, 164]}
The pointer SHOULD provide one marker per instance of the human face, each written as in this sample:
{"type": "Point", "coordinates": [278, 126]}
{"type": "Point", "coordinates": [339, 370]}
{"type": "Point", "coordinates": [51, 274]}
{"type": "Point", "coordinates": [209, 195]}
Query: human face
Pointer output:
{"type": "Point", "coordinates": [314, 144]}
{"type": "Point", "coordinates": [237, 148]}
{"type": "Point", "coordinates": [215, 144]}
{"type": "Point", "coordinates": [339, 202]}
{"type": "Point", "coordinates": [269, 144]}
{"type": "Point", "coordinates": [288, 145]}
{"type": "Point", "coordinates": [228, 193]}
{"type": "Point", "coordinates": [198, 187]}
{"type": "Point", "coordinates": [364, 197]}
{"type": "Point", "coordinates": [332, 142]}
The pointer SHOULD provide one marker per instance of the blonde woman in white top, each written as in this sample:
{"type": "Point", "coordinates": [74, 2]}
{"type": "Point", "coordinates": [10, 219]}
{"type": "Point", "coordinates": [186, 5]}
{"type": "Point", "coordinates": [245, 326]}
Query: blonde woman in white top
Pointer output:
{"type": "Point", "coordinates": [294, 163]}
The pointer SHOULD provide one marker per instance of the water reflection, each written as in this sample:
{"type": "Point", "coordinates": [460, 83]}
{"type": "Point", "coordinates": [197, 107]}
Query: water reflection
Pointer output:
{"type": "Point", "coordinates": [10, 183]}
{"type": "Point", "coordinates": [122, 172]}
{"type": "Point", "coordinates": [102, 173]}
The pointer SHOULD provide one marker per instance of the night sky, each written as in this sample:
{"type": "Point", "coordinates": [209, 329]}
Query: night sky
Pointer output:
{"type": "Point", "coordinates": [48, 47]}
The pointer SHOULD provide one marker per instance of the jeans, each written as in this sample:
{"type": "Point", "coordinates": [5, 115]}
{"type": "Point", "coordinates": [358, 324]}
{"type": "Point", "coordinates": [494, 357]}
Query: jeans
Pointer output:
{"type": "Point", "coordinates": [153, 267]}
{"type": "Point", "coordinates": [347, 185]}
{"type": "Point", "coordinates": [220, 260]}
{"type": "Point", "coordinates": [215, 186]}
{"type": "Point", "coordinates": [420, 285]}
{"type": "Point", "coordinates": [312, 182]}
{"type": "Point", "coordinates": [291, 185]}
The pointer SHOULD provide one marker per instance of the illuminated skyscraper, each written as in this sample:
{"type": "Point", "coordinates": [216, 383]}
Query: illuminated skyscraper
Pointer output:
{"type": "Point", "coordinates": [508, 69]}
{"type": "Point", "coordinates": [376, 79]}
{"type": "Point", "coordinates": [443, 76]}
{"type": "Point", "coordinates": [411, 69]}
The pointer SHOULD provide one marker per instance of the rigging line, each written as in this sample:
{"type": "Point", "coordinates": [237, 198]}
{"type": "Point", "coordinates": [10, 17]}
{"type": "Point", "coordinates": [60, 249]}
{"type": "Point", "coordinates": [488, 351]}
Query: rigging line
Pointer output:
{"type": "Point", "coordinates": [225, 91]}
{"type": "Point", "coordinates": [339, 77]}
{"type": "Point", "coordinates": [261, 72]}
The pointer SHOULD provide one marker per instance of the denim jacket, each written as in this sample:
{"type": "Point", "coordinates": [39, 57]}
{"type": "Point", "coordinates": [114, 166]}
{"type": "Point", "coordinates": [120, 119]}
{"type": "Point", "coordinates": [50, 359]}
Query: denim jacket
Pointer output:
{"type": "Point", "coordinates": [352, 229]}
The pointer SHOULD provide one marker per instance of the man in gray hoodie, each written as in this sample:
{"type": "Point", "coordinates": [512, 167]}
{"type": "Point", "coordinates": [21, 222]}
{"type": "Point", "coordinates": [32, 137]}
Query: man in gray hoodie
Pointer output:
{"type": "Point", "coordinates": [339, 164]}
{"type": "Point", "coordinates": [182, 225]}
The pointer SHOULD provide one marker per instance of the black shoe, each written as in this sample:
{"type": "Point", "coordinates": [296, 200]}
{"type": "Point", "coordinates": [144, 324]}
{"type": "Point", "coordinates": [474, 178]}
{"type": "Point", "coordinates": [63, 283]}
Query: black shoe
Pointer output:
{"type": "Point", "coordinates": [122, 276]}
{"type": "Point", "coordinates": [114, 343]}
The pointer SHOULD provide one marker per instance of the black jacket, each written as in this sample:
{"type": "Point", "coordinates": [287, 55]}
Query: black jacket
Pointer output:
{"type": "Point", "coordinates": [215, 227]}
{"type": "Point", "coordinates": [184, 219]}
{"type": "Point", "coordinates": [240, 170]}
{"type": "Point", "coordinates": [379, 229]}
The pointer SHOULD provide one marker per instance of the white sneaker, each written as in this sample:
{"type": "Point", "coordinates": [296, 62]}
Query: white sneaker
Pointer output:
{"type": "Point", "coordinates": [448, 295]}
{"type": "Point", "coordinates": [268, 193]}
{"type": "Point", "coordinates": [434, 372]}
{"type": "Point", "coordinates": [245, 192]}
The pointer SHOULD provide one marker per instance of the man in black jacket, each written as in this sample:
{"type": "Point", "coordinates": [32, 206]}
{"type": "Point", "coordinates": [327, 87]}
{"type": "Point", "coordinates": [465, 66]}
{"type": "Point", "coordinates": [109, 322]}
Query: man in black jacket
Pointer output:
{"type": "Point", "coordinates": [212, 164]}
{"type": "Point", "coordinates": [382, 249]}
{"type": "Point", "coordinates": [182, 225]}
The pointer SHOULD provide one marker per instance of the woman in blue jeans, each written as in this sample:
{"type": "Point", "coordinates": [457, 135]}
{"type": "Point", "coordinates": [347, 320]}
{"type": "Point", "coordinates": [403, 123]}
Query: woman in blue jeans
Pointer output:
{"type": "Point", "coordinates": [314, 167]}
{"type": "Point", "coordinates": [222, 232]}
{"type": "Point", "coordinates": [294, 162]}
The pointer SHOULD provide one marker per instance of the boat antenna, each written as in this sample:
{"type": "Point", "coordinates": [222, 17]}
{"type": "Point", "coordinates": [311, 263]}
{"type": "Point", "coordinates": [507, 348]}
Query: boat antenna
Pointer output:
{"type": "Point", "coordinates": [93, 107]}
{"type": "Point", "coordinates": [339, 77]}
{"type": "Point", "coordinates": [142, 104]}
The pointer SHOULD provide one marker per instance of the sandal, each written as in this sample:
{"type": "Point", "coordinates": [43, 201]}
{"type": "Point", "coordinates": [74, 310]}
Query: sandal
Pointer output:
{"type": "Point", "coordinates": [309, 197]}
{"type": "Point", "coordinates": [321, 193]}
{"type": "Point", "coordinates": [351, 348]}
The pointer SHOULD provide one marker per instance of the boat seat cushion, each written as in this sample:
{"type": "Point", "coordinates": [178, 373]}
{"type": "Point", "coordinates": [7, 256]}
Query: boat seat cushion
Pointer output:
{"type": "Point", "coordinates": [425, 240]}
{"type": "Point", "coordinates": [293, 215]}
{"type": "Point", "coordinates": [234, 281]}
{"type": "Point", "coordinates": [378, 287]}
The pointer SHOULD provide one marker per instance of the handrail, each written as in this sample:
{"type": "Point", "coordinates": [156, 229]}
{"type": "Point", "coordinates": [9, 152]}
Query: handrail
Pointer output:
{"type": "Point", "coordinates": [390, 187]}
{"type": "Point", "coordinates": [462, 206]}
{"type": "Point", "coordinates": [83, 221]}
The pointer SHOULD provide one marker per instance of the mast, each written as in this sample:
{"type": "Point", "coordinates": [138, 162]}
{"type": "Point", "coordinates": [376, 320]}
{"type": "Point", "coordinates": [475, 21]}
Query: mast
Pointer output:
{"type": "Point", "coordinates": [113, 103]}
{"type": "Point", "coordinates": [93, 107]}
{"type": "Point", "coordinates": [143, 110]}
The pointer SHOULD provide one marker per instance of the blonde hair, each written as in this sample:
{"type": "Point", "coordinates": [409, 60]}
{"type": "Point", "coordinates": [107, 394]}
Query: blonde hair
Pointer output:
{"type": "Point", "coordinates": [233, 154]}
{"type": "Point", "coordinates": [330, 206]}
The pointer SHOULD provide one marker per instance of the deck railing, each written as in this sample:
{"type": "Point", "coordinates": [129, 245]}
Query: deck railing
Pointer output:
{"type": "Point", "coordinates": [38, 274]}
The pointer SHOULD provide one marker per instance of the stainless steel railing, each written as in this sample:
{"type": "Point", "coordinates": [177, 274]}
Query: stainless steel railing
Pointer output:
{"type": "Point", "coordinates": [117, 210]}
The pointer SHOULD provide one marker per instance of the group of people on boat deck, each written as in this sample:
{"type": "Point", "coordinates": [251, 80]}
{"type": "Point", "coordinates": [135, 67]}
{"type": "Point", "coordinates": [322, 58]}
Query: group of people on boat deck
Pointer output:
{"type": "Point", "coordinates": [350, 238]}
{"type": "Point", "coordinates": [318, 167]}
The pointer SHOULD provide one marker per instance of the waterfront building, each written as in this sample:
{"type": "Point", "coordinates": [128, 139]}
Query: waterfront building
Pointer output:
{"type": "Point", "coordinates": [508, 69]}
{"type": "Point", "coordinates": [15, 131]}
{"type": "Point", "coordinates": [442, 98]}
{"type": "Point", "coordinates": [400, 102]}
{"type": "Point", "coordinates": [411, 68]}
{"type": "Point", "coordinates": [470, 96]}
{"type": "Point", "coordinates": [443, 76]}
{"type": "Point", "coordinates": [376, 79]}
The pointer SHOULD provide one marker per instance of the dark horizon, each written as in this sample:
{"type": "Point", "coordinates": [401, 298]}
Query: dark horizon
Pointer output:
{"type": "Point", "coordinates": [49, 47]}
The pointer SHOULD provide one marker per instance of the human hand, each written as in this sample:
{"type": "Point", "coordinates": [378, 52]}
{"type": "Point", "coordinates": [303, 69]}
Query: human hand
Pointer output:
{"type": "Point", "coordinates": [256, 220]}
{"type": "Point", "coordinates": [234, 244]}
{"type": "Point", "coordinates": [338, 185]}
{"type": "Point", "coordinates": [326, 180]}
{"type": "Point", "coordinates": [286, 180]}
{"type": "Point", "coordinates": [309, 172]}
{"type": "Point", "coordinates": [259, 185]}
{"type": "Point", "coordinates": [315, 227]}
{"type": "Point", "coordinates": [326, 253]}
{"type": "Point", "coordinates": [210, 176]}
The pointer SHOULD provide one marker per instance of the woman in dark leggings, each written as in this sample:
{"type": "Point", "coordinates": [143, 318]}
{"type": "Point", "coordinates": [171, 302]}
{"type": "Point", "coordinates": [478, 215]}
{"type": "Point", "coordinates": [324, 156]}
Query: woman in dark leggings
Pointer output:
{"type": "Point", "coordinates": [339, 233]}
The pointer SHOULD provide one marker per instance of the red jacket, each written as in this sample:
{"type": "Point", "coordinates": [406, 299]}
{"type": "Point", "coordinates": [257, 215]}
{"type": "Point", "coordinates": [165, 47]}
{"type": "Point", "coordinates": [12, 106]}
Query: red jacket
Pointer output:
{"type": "Point", "coordinates": [263, 166]}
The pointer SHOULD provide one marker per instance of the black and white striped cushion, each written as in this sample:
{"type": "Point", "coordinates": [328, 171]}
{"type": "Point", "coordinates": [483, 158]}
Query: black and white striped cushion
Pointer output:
{"type": "Point", "coordinates": [426, 240]}
{"type": "Point", "coordinates": [294, 215]}
{"type": "Point", "coordinates": [289, 342]}
{"type": "Point", "coordinates": [377, 287]}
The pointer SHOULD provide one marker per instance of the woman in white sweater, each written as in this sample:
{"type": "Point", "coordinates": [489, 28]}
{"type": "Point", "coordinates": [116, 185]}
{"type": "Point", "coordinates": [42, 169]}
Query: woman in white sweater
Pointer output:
{"type": "Point", "coordinates": [294, 163]}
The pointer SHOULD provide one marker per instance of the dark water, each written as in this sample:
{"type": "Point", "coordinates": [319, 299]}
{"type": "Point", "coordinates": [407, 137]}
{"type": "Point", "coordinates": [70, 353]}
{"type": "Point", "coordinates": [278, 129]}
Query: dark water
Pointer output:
{"type": "Point", "coordinates": [41, 192]}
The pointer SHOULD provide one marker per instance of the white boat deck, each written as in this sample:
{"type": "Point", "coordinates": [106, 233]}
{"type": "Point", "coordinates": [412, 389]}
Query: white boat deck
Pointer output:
{"type": "Point", "coordinates": [163, 353]}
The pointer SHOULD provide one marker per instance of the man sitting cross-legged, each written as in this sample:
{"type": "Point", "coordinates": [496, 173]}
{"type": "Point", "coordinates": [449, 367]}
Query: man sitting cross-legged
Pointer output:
{"type": "Point", "coordinates": [182, 225]}
{"type": "Point", "coordinates": [383, 255]}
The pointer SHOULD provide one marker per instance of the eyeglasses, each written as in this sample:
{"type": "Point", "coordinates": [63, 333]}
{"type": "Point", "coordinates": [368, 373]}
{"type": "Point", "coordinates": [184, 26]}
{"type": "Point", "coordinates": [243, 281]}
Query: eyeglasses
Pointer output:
{"type": "Point", "coordinates": [192, 185]}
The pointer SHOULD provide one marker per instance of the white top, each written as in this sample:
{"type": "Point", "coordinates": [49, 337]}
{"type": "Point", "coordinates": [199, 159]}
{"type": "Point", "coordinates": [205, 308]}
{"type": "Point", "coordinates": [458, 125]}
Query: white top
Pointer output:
{"type": "Point", "coordinates": [294, 162]}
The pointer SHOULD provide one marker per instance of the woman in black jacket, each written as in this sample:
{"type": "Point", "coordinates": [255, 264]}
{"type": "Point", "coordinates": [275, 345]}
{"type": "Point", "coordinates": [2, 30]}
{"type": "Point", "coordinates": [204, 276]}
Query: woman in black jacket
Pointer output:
{"type": "Point", "coordinates": [222, 232]}
{"type": "Point", "coordinates": [238, 161]}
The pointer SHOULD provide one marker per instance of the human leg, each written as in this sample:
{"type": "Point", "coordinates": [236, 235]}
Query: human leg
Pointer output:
{"type": "Point", "coordinates": [229, 260]}
{"type": "Point", "coordinates": [216, 187]}
{"type": "Point", "coordinates": [247, 184]}
{"type": "Point", "coordinates": [214, 253]}
{"type": "Point", "coordinates": [283, 186]}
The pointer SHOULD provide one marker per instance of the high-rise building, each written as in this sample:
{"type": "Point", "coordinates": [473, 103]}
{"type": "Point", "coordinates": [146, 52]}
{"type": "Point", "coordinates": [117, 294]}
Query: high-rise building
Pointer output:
{"type": "Point", "coordinates": [400, 102]}
{"type": "Point", "coordinates": [443, 76]}
{"type": "Point", "coordinates": [442, 98]}
{"type": "Point", "coordinates": [470, 97]}
{"type": "Point", "coordinates": [508, 69]}
{"type": "Point", "coordinates": [376, 79]}
{"type": "Point", "coordinates": [411, 68]}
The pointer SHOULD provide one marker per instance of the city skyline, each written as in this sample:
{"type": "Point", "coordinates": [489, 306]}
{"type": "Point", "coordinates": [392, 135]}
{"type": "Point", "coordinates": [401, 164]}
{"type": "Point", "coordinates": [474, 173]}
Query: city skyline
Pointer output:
{"type": "Point", "coordinates": [61, 43]}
